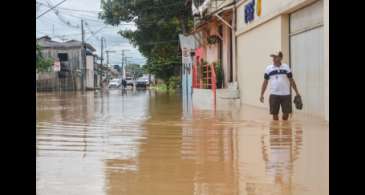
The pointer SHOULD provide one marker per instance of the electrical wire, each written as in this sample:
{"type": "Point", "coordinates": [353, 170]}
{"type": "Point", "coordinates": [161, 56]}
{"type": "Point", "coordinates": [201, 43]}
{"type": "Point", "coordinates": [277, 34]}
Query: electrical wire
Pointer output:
{"type": "Point", "coordinates": [93, 34]}
{"type": "Point", "coordinates": [95, 18]}
{"type": "Point", "coordinates": [50, 9]}
{"type": "Point", "coordinates": [74, 10]}
{"type": "Point", "coordinates": [61, 18]}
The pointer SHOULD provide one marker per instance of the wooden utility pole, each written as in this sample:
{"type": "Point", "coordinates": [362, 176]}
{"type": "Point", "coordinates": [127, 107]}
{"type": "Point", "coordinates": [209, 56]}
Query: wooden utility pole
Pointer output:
{"type": "Point", "coordinates": [101, 59]}
{"type": "Point", "coordinates": [83, 53]}
{"type": "Point", "coordinates": [122, 58]}
{"type": "Point", "coordinates": [107, 55]}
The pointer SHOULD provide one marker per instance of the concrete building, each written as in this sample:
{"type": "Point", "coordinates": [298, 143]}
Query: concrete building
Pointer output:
{"type": "Point", "coordinates": [298, 28]}
{"type": "Point", "coordinates": [249, 31]}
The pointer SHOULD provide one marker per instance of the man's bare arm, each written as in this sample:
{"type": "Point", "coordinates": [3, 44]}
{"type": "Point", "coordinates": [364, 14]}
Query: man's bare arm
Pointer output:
{"type": "Point", "coordinates": [263, 89]}
{"type": "Point", "coordinates": [292, 83]}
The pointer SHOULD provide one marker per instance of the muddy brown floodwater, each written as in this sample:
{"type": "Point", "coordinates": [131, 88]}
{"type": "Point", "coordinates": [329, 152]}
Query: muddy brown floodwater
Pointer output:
{"type": "Point", "coordinates": [142, 143]}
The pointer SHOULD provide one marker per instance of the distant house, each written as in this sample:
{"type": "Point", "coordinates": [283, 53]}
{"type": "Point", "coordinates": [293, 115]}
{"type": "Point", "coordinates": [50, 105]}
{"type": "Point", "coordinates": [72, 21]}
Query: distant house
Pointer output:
{"type": "Point", "coordinates": [117, 67]}
{"type": "Point", "coordinates": [70, 56]}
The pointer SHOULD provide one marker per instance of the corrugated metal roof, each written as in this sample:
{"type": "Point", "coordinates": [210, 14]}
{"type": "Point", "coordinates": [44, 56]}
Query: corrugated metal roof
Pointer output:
{"type": "Point", "coordinates": [46, 42]}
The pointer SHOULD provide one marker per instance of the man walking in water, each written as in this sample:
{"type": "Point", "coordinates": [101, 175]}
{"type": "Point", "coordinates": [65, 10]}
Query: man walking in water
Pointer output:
{"type": "Point", "coordinates": [281, 78]}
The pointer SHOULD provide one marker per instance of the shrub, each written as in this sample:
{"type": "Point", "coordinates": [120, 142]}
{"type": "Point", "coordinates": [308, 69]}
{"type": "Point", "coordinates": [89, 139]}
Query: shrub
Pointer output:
{"type": "Point", "coordinates": [174, 82]}
{"type": "Point", "coordinates": [219, 74]}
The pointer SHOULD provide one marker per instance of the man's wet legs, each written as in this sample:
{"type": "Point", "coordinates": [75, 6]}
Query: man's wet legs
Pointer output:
{"type": "Point", "coordinates": [275, 117]}
{"type": "Point", "coordinates": [285, 116]}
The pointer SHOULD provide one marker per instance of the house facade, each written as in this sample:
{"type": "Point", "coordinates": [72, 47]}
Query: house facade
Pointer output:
{"type": "Point", "coordinates": [69, 54]}
{"type": "Point", "coordinates": [213, 30]}
{"type": "Point", "coordinates": [298, 28]}
{"type": "Point", "coordinates": [249, 31]}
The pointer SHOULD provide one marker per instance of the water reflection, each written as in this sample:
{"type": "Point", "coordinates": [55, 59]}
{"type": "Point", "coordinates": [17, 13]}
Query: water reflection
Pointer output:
{"type": "Point", "coordinates": [280, 151]}
{"type": "Point", "coordinates": [189, 156]}
{"type": "Point", "coordinates": [145, 142]}
{"type": "Point", "coordinates": [76, 132]}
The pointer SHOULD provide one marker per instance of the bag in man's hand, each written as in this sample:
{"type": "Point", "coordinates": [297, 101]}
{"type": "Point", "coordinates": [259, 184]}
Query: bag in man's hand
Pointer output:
{"type": "Point", "coordinates": [298, 102]}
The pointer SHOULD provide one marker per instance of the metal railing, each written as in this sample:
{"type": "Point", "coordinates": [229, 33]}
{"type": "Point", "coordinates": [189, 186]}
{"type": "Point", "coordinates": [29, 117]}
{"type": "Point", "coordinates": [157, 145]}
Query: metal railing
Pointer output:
{"type": "Point", "coordinates": [205, 78]}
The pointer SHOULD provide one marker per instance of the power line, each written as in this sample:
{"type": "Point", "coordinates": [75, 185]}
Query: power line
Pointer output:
{"type": "Point", "coordinates": [94, 33]}
{"type": "Point", "coordinates": [92, 19]}
{"type": "Point", "coordinates": [68, 23]}
{"type": "Point", "coordinates": [61, 18]}
{"type": "Point", "coordinates": [96, 19]}
{"type": "Point", "coordinates": [62, 35]}
{"type": "Point", "coordinates": [60, 12]}
{"type": "Point", "coordinates": [163, 5]}
{"type": "Point", "coordinates": [51, 9]}
{"type": "Point", "coordinates": [88, 18]}
{"type": "Point", "coordinates": [74, 10]}
{"type": "Point", "coordinates": [81, 11]}
{"type": "Point", "coordinates": [85, 18]}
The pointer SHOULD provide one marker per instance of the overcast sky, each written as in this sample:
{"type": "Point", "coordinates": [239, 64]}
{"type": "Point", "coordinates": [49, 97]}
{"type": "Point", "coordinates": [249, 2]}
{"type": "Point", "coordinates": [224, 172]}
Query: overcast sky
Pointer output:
{"type": "Point", "coordinates": [66, 26]}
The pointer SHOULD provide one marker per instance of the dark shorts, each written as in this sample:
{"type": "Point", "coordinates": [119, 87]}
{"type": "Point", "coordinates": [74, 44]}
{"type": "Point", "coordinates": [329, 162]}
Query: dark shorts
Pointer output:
{"type": "Point", "coordinates": [280, 100]}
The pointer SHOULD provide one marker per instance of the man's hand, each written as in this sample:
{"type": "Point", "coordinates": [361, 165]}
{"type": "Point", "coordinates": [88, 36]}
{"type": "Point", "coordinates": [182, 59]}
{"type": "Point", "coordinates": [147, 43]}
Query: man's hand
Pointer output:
{"type": "Point", "coordinates": [262, 99]}
{"type": "Point", "coordinates": [263, 88]}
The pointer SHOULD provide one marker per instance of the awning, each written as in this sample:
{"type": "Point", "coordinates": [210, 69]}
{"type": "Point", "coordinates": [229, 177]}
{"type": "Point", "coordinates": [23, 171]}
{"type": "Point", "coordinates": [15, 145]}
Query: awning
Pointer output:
{"type": "Point", "coordinates": [222, 9]}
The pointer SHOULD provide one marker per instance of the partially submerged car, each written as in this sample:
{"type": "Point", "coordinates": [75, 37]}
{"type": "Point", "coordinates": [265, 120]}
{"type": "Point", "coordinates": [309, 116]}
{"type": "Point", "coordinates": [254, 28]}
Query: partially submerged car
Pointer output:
{"type": "Point", "coordinates": [115, 83]}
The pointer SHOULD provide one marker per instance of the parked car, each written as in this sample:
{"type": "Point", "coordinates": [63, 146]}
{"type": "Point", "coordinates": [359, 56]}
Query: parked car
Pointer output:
{"type": "Point", "coordinates": [142, 82]}
{"type": "Point", "coordinates": [130, 81]}
{"type": "Point", "coordinates": [149, 78]}
{"type": "Point", "coordinates": [115, 83]}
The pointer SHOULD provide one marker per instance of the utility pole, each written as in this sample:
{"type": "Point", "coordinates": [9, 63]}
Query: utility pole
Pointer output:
{"type": "Point", "coordinates": [123, 67]}
{"type": "Point", "coordinates": [107, 56]}
{"type": "Point", "coordinates": [83, 68]}
{"type": "Point", "coordinates": [122, 63]}
{"type": "Point", "coordinates": [125, 64]}
{"type": "Point", "coordinates": [101, 59]}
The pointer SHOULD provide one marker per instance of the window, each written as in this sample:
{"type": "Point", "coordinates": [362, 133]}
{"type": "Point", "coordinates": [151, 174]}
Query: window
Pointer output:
{"type": "Point", "coordinates": [63, 57]}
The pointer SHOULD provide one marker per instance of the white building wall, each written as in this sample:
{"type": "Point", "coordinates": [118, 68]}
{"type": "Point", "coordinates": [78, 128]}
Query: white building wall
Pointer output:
{"type": "Point", "coordinates": [254, 48]}
{"type": "Point", "coordinates": [326, 58]}
{"type": "Point", "coordinates": [266, 34]}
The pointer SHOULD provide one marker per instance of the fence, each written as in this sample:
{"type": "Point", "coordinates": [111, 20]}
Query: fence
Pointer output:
{"type": "Point", "coordinates": [56, 82]}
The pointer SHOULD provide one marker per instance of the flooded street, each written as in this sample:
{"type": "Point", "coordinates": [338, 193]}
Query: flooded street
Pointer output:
{"type": "Point", "coordinates": [142, 143]}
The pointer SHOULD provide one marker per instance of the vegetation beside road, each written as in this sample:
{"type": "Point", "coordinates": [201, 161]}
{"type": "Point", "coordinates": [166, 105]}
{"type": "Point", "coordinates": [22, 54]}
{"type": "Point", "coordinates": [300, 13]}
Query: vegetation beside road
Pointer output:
{"type": "Point", "coordinates": [158, 25]}
{"type": "Point", "coordinates": [42, 64]}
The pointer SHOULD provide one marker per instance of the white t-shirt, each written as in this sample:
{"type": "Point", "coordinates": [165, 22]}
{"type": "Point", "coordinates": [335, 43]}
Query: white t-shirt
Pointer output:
{"type": "Point", "coordinates": [278, 79]}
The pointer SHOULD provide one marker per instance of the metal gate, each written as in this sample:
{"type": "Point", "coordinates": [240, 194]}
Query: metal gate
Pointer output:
{"type": "Point", "coordinates": [307, 56]}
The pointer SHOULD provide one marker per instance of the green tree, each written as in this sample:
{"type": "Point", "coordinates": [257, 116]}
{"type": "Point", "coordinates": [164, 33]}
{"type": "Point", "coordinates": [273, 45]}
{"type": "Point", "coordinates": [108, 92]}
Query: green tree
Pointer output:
{"type": "Point", "coordinates": [42, 64]}
{"type": "Point", "coordinates": [159, 22]}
